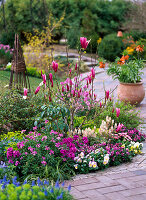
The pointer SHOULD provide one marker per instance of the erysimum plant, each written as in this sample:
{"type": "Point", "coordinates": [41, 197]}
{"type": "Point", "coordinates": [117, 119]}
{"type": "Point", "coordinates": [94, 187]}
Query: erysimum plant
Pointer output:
{"type": "Point", "coordinates": [127, 70]}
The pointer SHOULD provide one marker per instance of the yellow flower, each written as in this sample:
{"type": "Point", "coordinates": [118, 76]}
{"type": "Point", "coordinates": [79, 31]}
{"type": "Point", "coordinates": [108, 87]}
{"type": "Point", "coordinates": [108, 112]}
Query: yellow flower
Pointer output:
{"type": "Point", "coordinates": [99, 40]}
{"type": "Point", "coordinates": [135, 151]}
{"type": "Point", "coordinates": [123, 145]}
{"type": "Point", "coordinates": [76, 166]}
{"type": "Point", "coordinates": [130, 50]}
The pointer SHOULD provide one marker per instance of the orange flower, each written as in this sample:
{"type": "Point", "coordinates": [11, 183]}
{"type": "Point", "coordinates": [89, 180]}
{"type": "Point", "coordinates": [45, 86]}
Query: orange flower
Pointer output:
{"type": "Point", "coordinates": [119, 34]}
{"type": "Point", "coordinates": [140, 48]}
{"type": "Point", "coordinates": [101, 65]}
{"type": "Point", "coordinates": [122, 60]}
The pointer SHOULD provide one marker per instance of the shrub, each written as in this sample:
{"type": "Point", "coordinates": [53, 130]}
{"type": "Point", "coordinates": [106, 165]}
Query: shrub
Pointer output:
{"type": "Point", "coordinates": [7, 38]}
{"type": "Point", "coordinates": [17, 113]}
{"type": "Point", "coordinates": [110, 47]}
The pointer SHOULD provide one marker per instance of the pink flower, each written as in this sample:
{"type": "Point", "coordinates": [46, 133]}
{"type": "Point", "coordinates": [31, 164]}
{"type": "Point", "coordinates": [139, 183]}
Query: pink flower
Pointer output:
{"type": "Point", "coordinates": [51, 152]}
{"type": "Point", "coordinates": [100, 104]}
{"type": "Point", "coordinates": [25, 91]}
{"type": "Point", "coordinates": [46, 121]}
{"type": "Point", "coordinates": [26, 153]}
{"type": "Point", "coordinates": [93, 73]}
{"type": "Point", "coordinates": [107, 94]}
{"type": "Point", "coordinates": [84, 42]}
{"type": "Point", "coordinates": [38, 145]}
{"type": "Point", "coordinates": [73, 93]}
{"type": "Point", "coordinates": [47, 148]}
{"type": "Point", "coordinates": [34, 153]}
{"type": "Point", "coordinates": [50, 99]}
{"type": "Point", "coordinates": [37, 90]}
{"type": "Point", "coordinates": [54, 66]}
{"type": "Point", "coordinates": [63, 89]}
{"type": "Point", "coordinates": [76, 66]}
{"type": "Point", "coordinates": [35, 128]}
{"type": "Point", "coordinates": [23, 131]}
{"type": "Point", "coordinates": [44, 162]}
{"type": "Point", "coordinates": [117, 112]}
{"type": "Point", "coordinates": [51, 77]}
{"type": "Point", "coordinates": [17, 162]}
{"type": "Point", "coordinates": [44, 138]}
{"type": "Point", "coordinates": [44, 78]}
{"type": "Point", "coordinates": [43, 158]}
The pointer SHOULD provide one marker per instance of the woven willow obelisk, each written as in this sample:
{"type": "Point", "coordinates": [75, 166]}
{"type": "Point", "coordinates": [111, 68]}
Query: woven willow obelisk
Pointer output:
{"type": "Point", "coordinates": [18, 78]}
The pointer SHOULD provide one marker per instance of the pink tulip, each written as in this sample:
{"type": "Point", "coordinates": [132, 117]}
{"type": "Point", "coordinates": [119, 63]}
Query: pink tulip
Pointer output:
{"type": "Point", "coordinates": [113, 110]}
{"type": "Point", "coordinates": [51, 77]}
{"type": "Point", "coordinates": [54, 66]}
{"type": "Point", "coordinates": [73, 93]}
{"type": "Point", "coordinates": [67, 87]}
{"type": "Point", "coordinates": [107, 94]}
{"type": "Point", "coordinates": [76, 66]}
{"type": "Point", "coordinates": [100, 104]}
{"type": "Point", "coordinates": [93, 73]}
{"type": "Point", "coordinates": [50, 99]}
{"type": "Point", "coordinates": [84, 42]}
{"type": "Point", "coordinates": [79, 94]}
{"type": "Point", "coordinates": [44, 78]}
{"type": "Point", "coordinates": [25, 91]}
{"type": "Point", "coordinates": [52, 83]}
{"type": "Point", "coordinates": [63, 89]}
{"type": "Point", "coordinates": [117, 112]}
{"type": "Point", "coordinates": [37, 90]}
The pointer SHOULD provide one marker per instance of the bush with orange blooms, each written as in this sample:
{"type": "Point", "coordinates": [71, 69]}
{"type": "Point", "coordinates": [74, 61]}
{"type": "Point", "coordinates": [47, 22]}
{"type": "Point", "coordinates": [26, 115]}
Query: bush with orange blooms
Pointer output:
{"type": "Point", "coordinates": [127, 70]}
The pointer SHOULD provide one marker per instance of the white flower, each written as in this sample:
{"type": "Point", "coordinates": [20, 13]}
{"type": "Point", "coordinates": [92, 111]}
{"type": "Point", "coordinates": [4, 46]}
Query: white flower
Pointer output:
{"type": "Point", "coordinates": [90, 164]}
{"type": "Point", "coordinates": [41, 84]}
{"type": "Point", "coordinates": [106, 159]}
{"type": "Point", "coordinates": [24, 97]}
{"type": "Point", "coordinates": [76, 166]}
{"type": "Point", "coordinates": [82, 155]}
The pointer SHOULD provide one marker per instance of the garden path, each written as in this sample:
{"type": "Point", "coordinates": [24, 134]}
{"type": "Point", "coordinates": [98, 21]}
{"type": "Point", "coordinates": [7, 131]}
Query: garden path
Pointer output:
{"type": "Point", "coordinates": [124, 182]}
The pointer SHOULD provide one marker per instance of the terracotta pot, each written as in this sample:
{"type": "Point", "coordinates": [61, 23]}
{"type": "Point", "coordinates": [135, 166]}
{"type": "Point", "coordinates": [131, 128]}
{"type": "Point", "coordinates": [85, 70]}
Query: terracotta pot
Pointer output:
{"type": "Point", "coordinates": [131, 92]}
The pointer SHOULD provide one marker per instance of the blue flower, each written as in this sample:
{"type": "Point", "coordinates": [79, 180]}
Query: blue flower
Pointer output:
{"type": "Point", "coordinates": [60, 196]}
{"type": "Point", "coordinates": [63, 184]}
{"type": "Point", "coordinates": [33, 183]}
{"type": "Point", "coordinates": [57, 184]}
{"type": "Point", "coordinates": [46, 182]}
{"type": "Point", "coordinates": [51, 191]}
{"type": "Point", "coordinates": [45, 192]}
{"type": "Point", "coordinates": [69, 188]}
{"type": "Point", "coordinates": [25, 182]}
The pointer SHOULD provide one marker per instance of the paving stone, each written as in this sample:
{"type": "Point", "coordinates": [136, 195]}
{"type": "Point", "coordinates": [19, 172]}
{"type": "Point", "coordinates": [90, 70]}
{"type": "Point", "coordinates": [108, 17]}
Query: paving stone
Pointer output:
{"type": "Point", "coordinates": [90, 186]}
{"type": "Point", "coordinates": [90, 180]}
{"type": "Point", "coordinates": [107, 180]}
{"type": "Point", "coordinates": [116, 196]}
{"type": "Point", "coordinates": [138, 197]}
{"type": "Point", "coordinates": [129, 184]}
{"type": "Point", "coordinates": [135, 191]}
{"type": "Point", "coordinates": [115, 188]}
{"type": "Point", "coordinates": [77, 194]}
{"type": "Point", "coordinates": [140, 172]}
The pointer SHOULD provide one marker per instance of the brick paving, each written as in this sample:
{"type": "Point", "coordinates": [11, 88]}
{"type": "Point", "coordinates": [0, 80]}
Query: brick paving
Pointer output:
{"type": "Point", "coordinates": [124, 182]}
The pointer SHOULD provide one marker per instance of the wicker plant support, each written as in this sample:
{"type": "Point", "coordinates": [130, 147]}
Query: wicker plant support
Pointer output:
{"type": "Point", "coordinates": [19, 77]}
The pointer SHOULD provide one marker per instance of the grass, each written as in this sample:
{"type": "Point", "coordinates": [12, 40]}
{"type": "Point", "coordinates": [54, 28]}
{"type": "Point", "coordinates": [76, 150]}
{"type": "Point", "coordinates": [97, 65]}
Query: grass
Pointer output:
{"type": "Point", "coordinates": [34, 82]}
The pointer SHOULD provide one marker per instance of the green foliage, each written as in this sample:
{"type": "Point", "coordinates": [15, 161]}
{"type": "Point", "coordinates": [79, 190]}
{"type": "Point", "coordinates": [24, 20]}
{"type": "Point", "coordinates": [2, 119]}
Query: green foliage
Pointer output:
{"type": "Point", "coordinates": [110, 47]}
{"type": "Point", "coordinates": [81, 16]}
{"type": "Point", "coordinates": [56, 116]}
{"type": "Point", "coordinates": [128, 116]}
{"type": "Point", "coordinates": [17, 113]}
{"type": "Point", "coordinates": [31, 71]}
{"type": "Point", "coordinates": [130, 72]}
{"type": "Point", "coordinates": [7, 38]}
{"type": "Point", "coordinates": [35, 192]}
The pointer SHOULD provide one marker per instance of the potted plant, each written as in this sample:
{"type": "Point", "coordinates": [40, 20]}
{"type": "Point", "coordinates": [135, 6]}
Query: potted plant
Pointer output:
{"type": "Point", "coordinates": [128, 72]}
{"type": "Point", "coordinates": [5, 54]}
